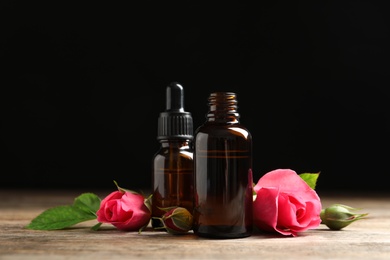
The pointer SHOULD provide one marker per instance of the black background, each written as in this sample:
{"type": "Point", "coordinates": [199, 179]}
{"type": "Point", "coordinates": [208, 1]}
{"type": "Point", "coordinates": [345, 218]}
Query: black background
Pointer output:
{"type": "Point", "coordinates": [83, 86]}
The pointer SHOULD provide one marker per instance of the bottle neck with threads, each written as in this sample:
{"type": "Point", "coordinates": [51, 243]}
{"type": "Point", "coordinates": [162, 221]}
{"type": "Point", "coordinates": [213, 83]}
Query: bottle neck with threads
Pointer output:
{"type": "Point", "coordinates": [223, 107]}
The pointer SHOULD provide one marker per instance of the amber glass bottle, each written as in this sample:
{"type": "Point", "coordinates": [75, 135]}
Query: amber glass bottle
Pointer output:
{"type": "Point", "coordinates": [173, 167]}
{"type": "Point", "coordinates": [223, 195]}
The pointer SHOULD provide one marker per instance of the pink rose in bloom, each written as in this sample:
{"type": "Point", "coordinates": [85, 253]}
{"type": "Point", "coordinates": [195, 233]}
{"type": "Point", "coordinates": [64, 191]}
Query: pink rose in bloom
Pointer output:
{"type": "Point", "coordinates": [285, 203]}
{"type": "Point", "coordinates": [125, 210]}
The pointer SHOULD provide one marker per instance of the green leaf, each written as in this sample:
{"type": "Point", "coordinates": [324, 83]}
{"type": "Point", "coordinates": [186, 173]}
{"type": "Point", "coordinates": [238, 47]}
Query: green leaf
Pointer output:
{"type": "Point", "coordinates": [84, 208]}
{"type": "Point", "coordinates": [310, 179]}
{"type": "Point", "coordinates": [59, 217]}
{"type": "Point", "coordinates": [88, 202]}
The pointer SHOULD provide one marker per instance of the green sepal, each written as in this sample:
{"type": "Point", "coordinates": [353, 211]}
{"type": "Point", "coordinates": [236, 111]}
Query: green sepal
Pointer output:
{"type": "Point", "coordinates": [148, 202]}
{"type": "Point", "coordinates": [124, 190]}
{"type": "Point", "coordinates": [167, 208]}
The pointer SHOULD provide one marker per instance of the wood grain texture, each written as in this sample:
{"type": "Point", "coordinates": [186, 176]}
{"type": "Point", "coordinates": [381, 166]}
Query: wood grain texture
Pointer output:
{"type": "Point", "coordinates": [365, 239]}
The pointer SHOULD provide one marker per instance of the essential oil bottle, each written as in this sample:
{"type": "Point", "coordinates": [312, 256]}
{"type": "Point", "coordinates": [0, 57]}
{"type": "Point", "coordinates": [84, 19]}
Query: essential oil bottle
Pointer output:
{"type": "Point", "coordinates": [223, 179]}
{"type": "Point", "coordinates": [173, 167]}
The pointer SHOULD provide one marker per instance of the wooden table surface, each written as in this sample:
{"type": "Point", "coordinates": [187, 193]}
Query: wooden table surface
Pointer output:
{"type": "Point", "coordinates": [365, 239]}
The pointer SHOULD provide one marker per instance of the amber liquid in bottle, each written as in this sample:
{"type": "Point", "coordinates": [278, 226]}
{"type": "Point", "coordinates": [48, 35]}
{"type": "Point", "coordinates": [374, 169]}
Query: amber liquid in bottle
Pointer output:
{"type": "Point", "coordinates": [223, 172]}
{"type": "Point", "coordinates": [172, 166]}
{"type": "Point", "coordinates": [173, 178]}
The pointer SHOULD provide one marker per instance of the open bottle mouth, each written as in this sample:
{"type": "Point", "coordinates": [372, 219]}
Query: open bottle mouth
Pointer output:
{"type": "Point", "coordinates": [222, 105]}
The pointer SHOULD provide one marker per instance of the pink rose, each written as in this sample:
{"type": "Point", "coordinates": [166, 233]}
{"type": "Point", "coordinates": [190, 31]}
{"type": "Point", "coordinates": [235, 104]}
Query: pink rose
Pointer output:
{"type": "Point", "coordinates": [125, 210]}
{"type": "Point", "coordinates": [285, 203]}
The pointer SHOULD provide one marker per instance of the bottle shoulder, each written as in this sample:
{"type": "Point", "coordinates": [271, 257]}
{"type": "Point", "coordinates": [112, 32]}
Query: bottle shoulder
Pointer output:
{"type": "Point", "coordinates": [212, 129]}
{"type": "Point", "coordinates": [176, 144]}
{"type": "Point", "coordinates": [174, 154]}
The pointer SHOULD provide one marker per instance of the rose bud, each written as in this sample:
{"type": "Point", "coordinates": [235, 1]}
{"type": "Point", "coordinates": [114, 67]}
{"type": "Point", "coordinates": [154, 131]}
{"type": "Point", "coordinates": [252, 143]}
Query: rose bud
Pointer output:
{"type": "Point", "coordinates": [339, 216]}
{"type": "Point", "coordinates": [125, 209]}
{"type": "Point", "coordinates": [176, 220]}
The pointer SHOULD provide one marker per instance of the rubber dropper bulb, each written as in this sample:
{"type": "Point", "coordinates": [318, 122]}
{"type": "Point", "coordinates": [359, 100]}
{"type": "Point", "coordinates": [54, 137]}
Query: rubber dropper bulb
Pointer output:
{"type": "Point", "coordinates": [175, 122]}
{"type": "Point", "coordinates": [175, 97]}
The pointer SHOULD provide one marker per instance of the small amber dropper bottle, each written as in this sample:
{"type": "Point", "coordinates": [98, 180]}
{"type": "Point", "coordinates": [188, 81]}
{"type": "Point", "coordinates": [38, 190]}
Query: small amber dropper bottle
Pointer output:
{"type": "Point", "coordinates": [172, 168]}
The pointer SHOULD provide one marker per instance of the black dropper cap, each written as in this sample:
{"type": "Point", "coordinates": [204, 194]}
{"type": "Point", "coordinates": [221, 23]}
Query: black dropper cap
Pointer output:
{"type": "Point", "coordinates": [175, 123]}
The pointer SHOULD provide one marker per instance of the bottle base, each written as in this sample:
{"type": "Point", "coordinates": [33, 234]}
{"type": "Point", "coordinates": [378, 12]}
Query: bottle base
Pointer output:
{"type": "Point", "coordinates": [222, 232]}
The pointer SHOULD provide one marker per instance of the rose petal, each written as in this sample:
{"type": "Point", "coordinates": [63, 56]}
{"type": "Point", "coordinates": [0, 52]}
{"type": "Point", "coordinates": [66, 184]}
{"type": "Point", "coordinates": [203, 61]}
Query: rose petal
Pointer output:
{"type": "Point", "coordinates": [112, 196]}
{"type": "Point", "coordinates": [288, 181]}
{"type": "Point", "coordinates": [125, 210]}
{"type": "Point", "coordinates": [265, 209]}
{"type": "Point", "coordinates": [295, 207]}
